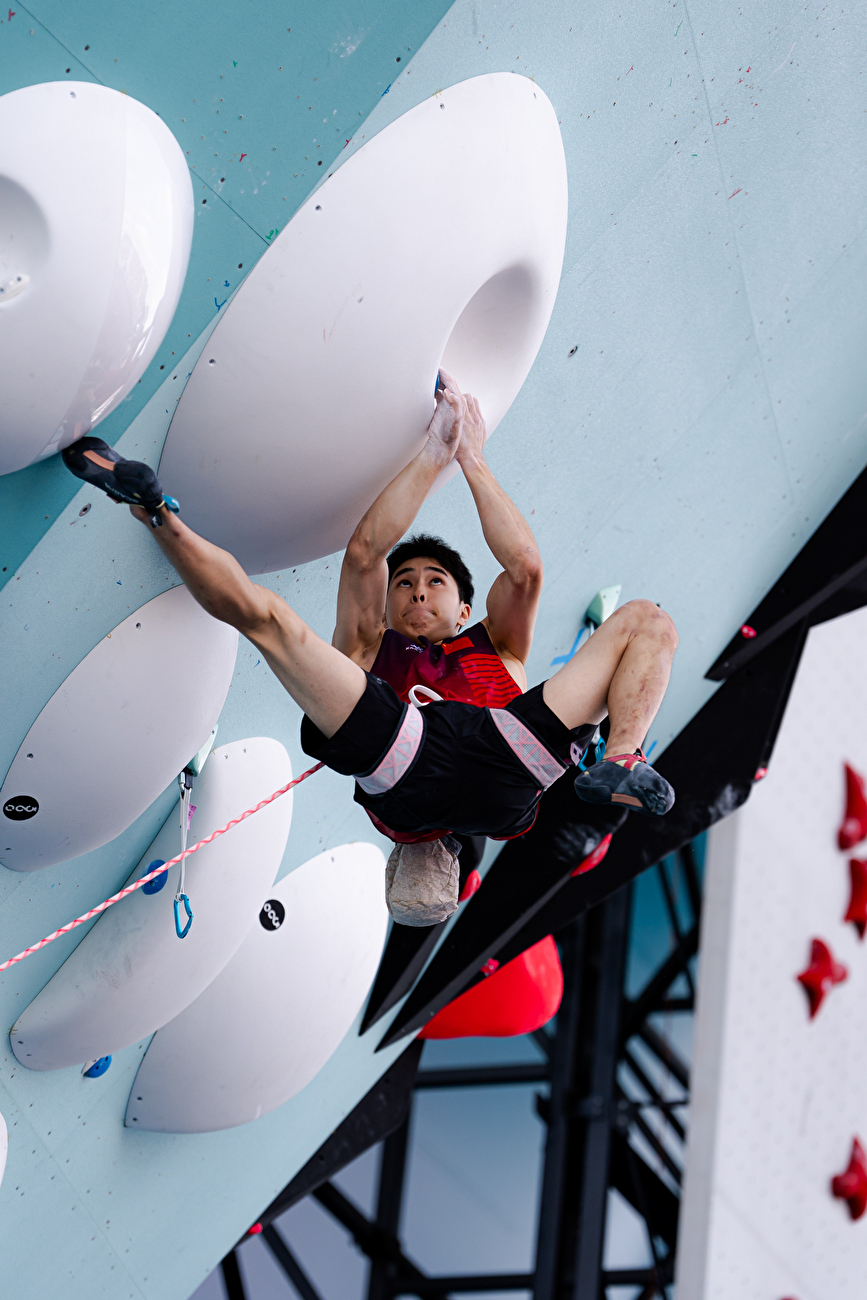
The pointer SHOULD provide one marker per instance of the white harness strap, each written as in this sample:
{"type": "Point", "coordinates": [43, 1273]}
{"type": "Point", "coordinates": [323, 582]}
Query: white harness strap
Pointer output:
{"type": "Point", "coordinates": [544, 768]}
{"type": "Point", "coordinates": [400, 754]}
{"type": "Point", "coordinates": [416, 693]}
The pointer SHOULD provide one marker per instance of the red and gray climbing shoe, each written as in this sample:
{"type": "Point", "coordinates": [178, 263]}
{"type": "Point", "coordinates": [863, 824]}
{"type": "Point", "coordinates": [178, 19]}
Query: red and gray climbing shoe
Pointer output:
{"type": "Point", "coordinates": [129, 481]}
{"type": "Point", "coordinates": [627, 780]}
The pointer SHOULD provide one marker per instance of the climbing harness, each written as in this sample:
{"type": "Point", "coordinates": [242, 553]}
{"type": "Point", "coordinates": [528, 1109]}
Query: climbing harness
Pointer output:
{"type": "Point", "coordinates": [401, 753]}
{"type": "Point", "coordinates": [542, 765]}
{"type": "Point", "coordinates": [152, 875]}
{"type": "Point", "coordinates": [416, 693]}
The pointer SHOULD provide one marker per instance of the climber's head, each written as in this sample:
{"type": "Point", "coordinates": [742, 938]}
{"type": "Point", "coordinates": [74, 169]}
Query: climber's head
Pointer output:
{"type": "Point", "coordinates": [430, 589]}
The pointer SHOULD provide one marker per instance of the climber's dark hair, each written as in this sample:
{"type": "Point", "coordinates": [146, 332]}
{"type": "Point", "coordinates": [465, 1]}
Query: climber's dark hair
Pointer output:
{"type": "Point", "coordinates": [435, 547]}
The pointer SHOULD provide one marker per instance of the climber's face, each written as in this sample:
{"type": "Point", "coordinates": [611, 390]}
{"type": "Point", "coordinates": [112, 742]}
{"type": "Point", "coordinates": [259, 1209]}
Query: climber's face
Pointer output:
{"type": "Point", "coordinates": [423, 600]}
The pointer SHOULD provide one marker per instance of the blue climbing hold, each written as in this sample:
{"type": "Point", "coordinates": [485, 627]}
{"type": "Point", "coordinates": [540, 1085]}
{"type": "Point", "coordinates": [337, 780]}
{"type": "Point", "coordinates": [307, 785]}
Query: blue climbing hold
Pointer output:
{"type": "Point", "coordinates": [154, 886]}
{"type": "Point", "coordinates": [98, 1068]}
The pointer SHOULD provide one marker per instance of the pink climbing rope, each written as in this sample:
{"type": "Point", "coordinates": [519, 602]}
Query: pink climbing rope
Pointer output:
{"type": "Point", "coordinates": [137, 884]}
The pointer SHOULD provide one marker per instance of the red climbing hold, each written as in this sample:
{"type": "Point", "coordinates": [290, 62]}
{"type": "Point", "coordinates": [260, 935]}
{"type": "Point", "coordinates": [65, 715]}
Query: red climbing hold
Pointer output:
{"type": "Point", "coordinates": [593, 859]}
{"type": "Point", "coordinates": [522, 996]}
{"type": "Point", "coordinates": [255, 1230]}
{"type": "Point", "coordinates": [821, 975]}
{"type": "Point", "coordinates": [851, 1185]}
{"type": "Point", "coordinates": [856, 912]}
{"type": "Point", "coordinates": [474, 882]}
{"type": "Point", "coordinates": [854, 828]}
{"type": "Point", "coordinates": [746, 630]}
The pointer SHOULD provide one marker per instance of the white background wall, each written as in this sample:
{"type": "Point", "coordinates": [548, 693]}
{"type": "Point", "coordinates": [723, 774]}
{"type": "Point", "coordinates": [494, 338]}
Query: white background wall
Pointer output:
{"type": "Point", "coordinates": [777, 1098]}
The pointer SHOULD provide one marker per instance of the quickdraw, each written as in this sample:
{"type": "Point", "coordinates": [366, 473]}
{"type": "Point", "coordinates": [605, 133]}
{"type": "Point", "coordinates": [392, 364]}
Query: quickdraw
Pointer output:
{"type": "Point", "coordinates": [185, 781]}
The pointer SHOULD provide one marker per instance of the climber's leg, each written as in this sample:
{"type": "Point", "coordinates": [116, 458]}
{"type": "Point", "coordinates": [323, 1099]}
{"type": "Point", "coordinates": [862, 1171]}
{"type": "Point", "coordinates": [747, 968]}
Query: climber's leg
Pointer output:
{"type": "Point", "coordinates": [623, 670]}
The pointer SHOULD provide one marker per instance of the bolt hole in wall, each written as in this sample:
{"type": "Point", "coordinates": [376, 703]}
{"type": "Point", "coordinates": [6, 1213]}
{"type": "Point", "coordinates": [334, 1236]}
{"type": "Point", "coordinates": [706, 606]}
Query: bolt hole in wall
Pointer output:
{"type": "Point", "coordinates": [475, 1155]}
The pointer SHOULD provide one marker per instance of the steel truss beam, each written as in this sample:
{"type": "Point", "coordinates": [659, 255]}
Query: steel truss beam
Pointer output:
{"type": "Point", "coordinates": [289, 1264]}
{"type": "Point", "coordinates": [232, 1279]}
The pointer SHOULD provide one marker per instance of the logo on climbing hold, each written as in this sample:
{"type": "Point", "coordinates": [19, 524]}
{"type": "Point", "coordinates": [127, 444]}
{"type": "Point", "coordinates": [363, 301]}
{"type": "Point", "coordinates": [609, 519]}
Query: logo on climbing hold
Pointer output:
{"type": "Point", "coordinates": [20, 808]}
{"type": "Point", "coordinates": [273, 914]}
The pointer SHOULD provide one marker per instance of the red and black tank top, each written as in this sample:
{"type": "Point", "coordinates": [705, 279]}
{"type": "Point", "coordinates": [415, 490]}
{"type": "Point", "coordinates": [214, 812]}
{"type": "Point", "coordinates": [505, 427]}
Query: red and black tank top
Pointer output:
{"type": "Point", "coordinates": [464, 667]}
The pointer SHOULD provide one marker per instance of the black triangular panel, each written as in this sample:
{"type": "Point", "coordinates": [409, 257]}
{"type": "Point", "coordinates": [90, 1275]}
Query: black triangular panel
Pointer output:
{"type": "Point", "coordinates": [403, 960]}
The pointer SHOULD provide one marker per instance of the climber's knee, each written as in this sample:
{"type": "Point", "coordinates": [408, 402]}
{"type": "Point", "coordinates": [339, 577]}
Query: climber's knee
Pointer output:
{"type": "Point", "coordinates": [643, 617]}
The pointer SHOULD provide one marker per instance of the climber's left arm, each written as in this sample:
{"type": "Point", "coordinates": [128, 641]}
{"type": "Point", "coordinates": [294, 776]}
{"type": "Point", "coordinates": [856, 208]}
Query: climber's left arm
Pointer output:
{"type": "Point", "coordinates": [513, 600]}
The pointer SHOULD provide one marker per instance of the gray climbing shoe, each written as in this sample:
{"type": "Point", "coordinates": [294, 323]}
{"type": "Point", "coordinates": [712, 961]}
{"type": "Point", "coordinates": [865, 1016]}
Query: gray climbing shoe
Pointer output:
{"type": "Point", "coordinates": [421, 883]}
{"type": "Point", "coordinates": [629, 780]}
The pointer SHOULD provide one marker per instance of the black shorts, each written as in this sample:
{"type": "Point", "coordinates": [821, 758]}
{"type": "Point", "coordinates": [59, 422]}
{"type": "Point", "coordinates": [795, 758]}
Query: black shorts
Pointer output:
{"type": "Point", "coordinates": [464, 777]}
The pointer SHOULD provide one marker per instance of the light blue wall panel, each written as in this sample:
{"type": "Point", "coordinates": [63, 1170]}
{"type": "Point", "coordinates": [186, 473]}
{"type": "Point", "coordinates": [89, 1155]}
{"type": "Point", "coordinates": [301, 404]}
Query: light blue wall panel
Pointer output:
{"type": "Point", "coordinates": [711, 415]}
{"type": "Point", "coordinates": [715, 408]}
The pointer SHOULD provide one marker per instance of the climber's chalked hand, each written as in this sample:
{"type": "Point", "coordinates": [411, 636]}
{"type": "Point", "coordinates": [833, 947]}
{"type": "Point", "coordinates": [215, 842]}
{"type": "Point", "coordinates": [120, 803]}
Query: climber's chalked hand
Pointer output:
{"type": "Point", "coordinates": [444, 430]}
{"type": "Point", "coordinates": [129, 481]}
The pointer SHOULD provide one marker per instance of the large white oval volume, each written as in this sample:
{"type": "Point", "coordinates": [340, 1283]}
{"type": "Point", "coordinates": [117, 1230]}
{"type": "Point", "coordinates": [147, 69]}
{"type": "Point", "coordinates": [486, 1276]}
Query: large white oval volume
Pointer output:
{"type": "Point", "coordinates": [439, 241]}
{"type": "Point", "coordinates": [279, 1009]}
{"type": "Point", "coordinates": [97, 223]}
{"type": "Point", "coordinates": [114, 735]}
{"type": "Point", "coordinates": [131, 974]}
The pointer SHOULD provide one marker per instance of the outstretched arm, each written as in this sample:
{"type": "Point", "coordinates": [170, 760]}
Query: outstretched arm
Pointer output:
{"type": "Point", "coordinates": [513, 600]}
{"type": "Point", "coordinates": [364, 576]}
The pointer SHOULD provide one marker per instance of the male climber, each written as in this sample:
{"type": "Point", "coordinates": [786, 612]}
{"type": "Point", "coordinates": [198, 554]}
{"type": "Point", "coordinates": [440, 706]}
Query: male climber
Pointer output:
{"type": "Point", "coordinates": [431, 716]}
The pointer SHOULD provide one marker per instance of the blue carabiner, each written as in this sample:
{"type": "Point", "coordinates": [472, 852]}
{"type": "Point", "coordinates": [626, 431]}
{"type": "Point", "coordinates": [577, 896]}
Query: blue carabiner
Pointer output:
{"type": "Point", "coordinates": [182, 898]}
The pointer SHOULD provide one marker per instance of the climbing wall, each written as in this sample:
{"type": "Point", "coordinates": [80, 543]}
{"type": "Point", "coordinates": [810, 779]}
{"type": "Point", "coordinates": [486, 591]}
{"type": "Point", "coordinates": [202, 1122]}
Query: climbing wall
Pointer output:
{"type": "Point", "coordinates": [695, 410]}
{"type": "Point", "coordinates": [778, 1097]}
